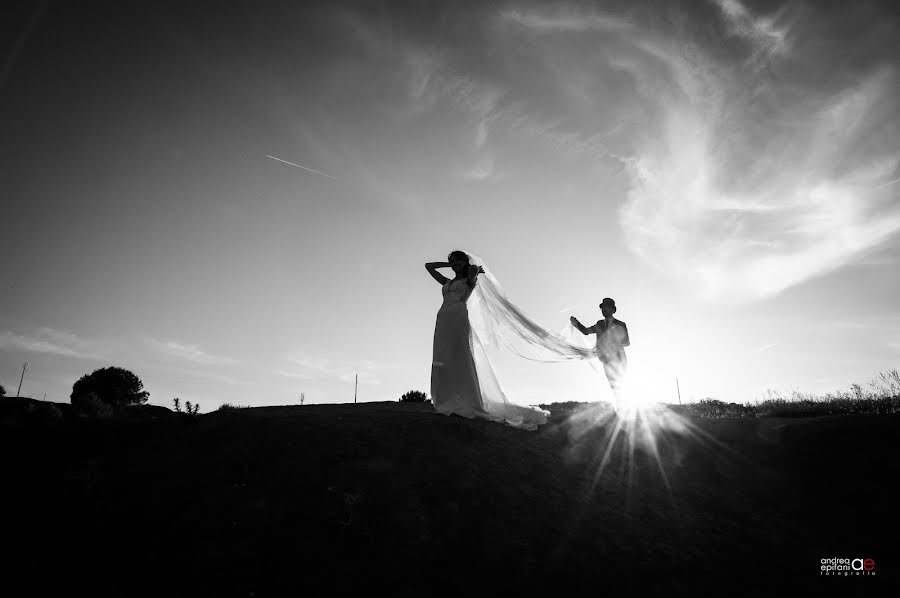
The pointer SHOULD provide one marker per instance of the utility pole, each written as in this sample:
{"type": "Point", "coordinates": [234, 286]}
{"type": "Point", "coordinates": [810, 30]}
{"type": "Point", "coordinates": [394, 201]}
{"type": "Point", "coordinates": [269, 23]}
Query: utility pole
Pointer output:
{"type": "Point", "coordinates": [22, 378]}
{"type": "Point", "coordinates": [355, 387]}
{"type": "Point", "coordinates": [679, 390]}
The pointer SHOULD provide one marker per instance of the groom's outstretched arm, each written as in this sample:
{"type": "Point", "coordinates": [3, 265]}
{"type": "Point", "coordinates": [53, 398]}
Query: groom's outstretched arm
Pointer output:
{"type": "Point", "coordinates": [581, 327]}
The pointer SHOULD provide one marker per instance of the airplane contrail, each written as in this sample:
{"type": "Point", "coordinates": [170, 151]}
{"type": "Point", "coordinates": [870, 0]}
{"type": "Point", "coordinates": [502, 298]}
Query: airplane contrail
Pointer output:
{"type": "Point", "coordinates": [888, 184]}
{"type": "Point", "coordinates": [303, 167]}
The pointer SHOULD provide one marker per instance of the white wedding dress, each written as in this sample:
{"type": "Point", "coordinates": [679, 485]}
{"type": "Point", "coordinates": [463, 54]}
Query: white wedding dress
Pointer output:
{"type": "Point", "coordinates": [462, 379]}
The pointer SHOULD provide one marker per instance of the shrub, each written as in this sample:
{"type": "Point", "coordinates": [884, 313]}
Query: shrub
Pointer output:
{"type": "Point", "coordinates": [229, 407]}
{"type": "Point", "coordinates": [841, 403]}
{"type": "Point", "coordinates": [714, 408]}
{"type": "Point", "coordinates": [414, 396]}
{"type": "Point", "coordinates": [113, 385]}
{"type": "Point", "coordinates": [188, 408]}
{"type": "Point", "coordinates": [91, 405]}
{"type": "Point", "coordinates": [2, 391]}
{"type": "Point", "coordinates": [50, 412]}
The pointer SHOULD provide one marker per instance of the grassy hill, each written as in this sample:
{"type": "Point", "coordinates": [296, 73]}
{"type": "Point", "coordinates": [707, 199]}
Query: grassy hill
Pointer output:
{"type": "Point", "coordinates": [350, 499]}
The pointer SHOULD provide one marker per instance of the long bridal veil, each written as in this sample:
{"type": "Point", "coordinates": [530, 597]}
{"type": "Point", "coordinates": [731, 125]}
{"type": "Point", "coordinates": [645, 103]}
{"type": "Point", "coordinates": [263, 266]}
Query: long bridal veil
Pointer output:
{"type": "Point", "coordinates": [497, 322]}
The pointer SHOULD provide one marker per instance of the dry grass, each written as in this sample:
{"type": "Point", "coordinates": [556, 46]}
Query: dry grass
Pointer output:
{"type": "Point", "coordinates": [879, 397]}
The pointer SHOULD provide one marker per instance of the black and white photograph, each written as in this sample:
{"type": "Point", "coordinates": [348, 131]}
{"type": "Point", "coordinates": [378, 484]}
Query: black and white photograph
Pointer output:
{"type": "Point", "coordinates": [449, 298]}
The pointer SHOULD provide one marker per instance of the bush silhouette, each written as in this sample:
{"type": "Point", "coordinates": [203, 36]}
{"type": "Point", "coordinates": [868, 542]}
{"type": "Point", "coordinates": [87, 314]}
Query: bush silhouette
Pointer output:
{"type": "Point", "coordinates": [188, 410]}
{"type": "Point", "coordinates": [91, 404]}
{"type": "Point", "coordinates": [414, 396]}
{"type": "Point", "coordinates": [114, 386]}
{"type": "Point", "coordinates": [2, 391]}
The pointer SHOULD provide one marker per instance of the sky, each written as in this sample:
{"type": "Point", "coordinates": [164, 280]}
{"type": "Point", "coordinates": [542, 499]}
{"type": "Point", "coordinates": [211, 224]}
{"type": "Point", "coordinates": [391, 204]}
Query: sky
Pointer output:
{"type": "Point", "coordinates": [236, 202]}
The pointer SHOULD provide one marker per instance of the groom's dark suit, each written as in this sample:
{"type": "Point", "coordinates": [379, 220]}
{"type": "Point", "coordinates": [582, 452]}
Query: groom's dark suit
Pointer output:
{"type": "Point", "coordinates": [612, 339]}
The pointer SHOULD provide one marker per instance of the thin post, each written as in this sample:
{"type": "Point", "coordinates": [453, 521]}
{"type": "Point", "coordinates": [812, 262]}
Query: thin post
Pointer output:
{"type": "Point", "coordinates": [679, 390]}
{"type": "Point", "coordinates": [355, 388]}
{"type": "Point", "coordinates": [22, 378]}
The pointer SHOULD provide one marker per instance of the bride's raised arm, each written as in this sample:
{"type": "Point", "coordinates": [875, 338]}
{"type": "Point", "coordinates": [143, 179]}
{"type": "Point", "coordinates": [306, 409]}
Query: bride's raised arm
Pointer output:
{"type": "Point", "coordinates": [432, 269]}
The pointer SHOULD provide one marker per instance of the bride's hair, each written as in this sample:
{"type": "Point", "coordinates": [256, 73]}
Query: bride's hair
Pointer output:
{"type": "Point", "coordinates": [461, 255]}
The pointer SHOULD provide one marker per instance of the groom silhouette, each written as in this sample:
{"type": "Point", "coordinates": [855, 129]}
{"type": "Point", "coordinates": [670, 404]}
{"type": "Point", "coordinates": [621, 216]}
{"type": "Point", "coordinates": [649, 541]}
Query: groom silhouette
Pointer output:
{"type": "Point", "coordinates": [612, 338]}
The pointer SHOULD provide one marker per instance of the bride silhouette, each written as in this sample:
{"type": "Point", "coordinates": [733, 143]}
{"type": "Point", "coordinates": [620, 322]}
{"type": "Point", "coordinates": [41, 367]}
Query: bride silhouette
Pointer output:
{"type": "Point", "coordinates": [462, 379]}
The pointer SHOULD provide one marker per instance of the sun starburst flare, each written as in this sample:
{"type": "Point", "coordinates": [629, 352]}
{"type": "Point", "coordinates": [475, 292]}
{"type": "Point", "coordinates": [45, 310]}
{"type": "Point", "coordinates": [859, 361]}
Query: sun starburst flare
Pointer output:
{"type": "Point", "coordinates": [613, 438]}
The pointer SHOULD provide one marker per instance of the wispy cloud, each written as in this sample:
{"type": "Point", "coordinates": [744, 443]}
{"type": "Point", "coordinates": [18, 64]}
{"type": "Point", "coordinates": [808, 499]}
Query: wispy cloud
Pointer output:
{"type": "Point", "coordinates": [743, 223]}
{"type": "Point", "coordinates": [309, 368]}
{"type": "Point", "coordinates": [191, 371]}
{"type": "Point", "coordinates": [295, 375]}
{"type": "Point", "coordinates": [52, 341]}
{"type": "Point", "coordinates": [737, 203]}
{"type": "Point", "coordinates": [563, 18]}
{"type": "Point", "coordinates": [765, 347]}
{"type": "Point", "coordinates": [763, 31]}
{"type": "Point", "coordinates": [488, 106]}
{"type": "Point", "coordinates": [479, 101]}
{"type": "Point", "coordinates": [482, 170]}
{"type": "Point", "coordinates": [187, 352]}
{"type": "Point", "coordinates": [433, 81]}
{"type": "Point", "coordinates": [743, 182]}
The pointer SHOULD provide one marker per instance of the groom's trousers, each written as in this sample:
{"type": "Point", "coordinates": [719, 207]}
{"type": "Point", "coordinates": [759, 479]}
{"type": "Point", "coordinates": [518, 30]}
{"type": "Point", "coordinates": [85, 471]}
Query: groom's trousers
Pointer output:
{"type": "Point", "coordinates": [615, 370]}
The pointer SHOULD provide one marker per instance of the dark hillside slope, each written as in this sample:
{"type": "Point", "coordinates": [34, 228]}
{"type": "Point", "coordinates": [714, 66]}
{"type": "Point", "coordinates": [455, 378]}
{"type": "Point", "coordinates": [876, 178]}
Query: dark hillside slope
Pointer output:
{"type": "Point", "coordinates": [387, 496]}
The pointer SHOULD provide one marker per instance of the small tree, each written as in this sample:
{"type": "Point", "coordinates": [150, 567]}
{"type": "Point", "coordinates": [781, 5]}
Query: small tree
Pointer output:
{"type": "Point", "coordinates": [2, 391]}
{"type": "Point", "coordinates": [189, 409]}
{"type": "Point", "coordinates": [113, 385]}
{"type": "Point", "coordinates": [414, 396]}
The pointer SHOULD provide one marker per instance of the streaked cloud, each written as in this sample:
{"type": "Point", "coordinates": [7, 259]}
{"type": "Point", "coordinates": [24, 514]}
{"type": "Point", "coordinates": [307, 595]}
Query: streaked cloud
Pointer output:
{"type": "Point", "coordinates": [746, 175]}
{"type": "Point", "coordinates": [52, 341]}
{"type": "Point", "coordinates": [295, 375]}
{"type": "Point", "coordinates": [738, 203]}
{"type": "Point", "coordinates": [299, 366]}
{"type": "Point", "coordinates": [746, 221]}
{"type": "Point", "coordinates": [482, 170]}
{"type": "Point", "coordinates": [563, 18]}
{"type": "Point", "coordinates": [763, 31]}
{"type": "Point", "coordinates": [187, 352]}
